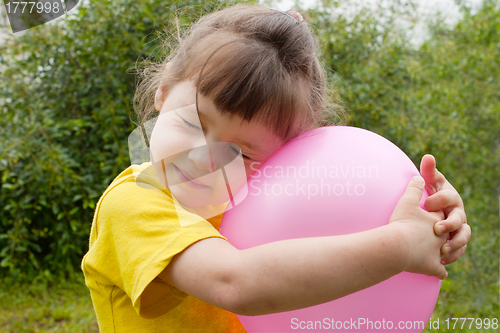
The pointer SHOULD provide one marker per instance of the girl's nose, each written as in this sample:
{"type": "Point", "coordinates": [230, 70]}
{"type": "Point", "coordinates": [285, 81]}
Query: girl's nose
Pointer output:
{"type": "Point", "coordinates": [201, 157]}
{"type": "Point", "coordinates": [213, 155]}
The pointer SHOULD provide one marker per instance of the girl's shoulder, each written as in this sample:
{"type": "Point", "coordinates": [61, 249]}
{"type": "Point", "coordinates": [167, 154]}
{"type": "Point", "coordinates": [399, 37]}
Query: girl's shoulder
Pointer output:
{"type": "Point", "coordinates": [136, 186]}
{"type": "Point", "coordinates": [143, 176]}
{"type": "Point", "coordinates": [138, 173]}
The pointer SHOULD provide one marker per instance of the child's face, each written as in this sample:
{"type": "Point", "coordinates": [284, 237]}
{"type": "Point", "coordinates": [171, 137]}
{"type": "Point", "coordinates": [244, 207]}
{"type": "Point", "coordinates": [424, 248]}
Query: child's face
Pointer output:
{"type": "Point", "coordinates": [180, 150]}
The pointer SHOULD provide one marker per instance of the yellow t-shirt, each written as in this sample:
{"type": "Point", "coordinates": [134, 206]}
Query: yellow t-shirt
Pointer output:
{"type": "Point", "coordinates": [135, 233]}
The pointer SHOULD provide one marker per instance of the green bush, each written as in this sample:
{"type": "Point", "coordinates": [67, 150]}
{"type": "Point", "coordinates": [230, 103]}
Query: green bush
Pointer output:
{"type": "Point", "coordinates": [66, 103]}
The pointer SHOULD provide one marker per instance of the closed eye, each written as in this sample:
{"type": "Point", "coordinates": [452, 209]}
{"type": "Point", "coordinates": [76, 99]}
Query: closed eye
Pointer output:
{"type": "Point", "coordinates": [198, 128]}
{"type": "Point", "coordinates": [190, 125]}
{"type": "Point", "coordinates": [238, 152]}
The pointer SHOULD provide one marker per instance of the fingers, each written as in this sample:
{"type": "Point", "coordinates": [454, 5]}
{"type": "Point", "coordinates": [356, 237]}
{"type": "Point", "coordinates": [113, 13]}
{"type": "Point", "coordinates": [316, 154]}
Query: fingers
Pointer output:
{"type": "Point", "coordinates": [438, 216]}
{"type": "Point", "coordinates": [442, 273]}
{"type": "Point", "coordinates": [450, 202]}
{"type": "Point", "coordinates": [455, 220]}
{"type": "Point", "coordinates": [414, 191]}
{"type": "Point", "coordinates": [434, 179]}
{"type": "Point", "coordinates": [455, 247]}
{"type": "Point", "coordinates": [453, 256]}
{"type": "Point", "coordinates": [442, 199]}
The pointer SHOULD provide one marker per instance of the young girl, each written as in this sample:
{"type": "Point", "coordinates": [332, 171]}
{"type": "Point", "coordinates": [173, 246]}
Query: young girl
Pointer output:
{"type": "Point", "coordinates": [248, 77]}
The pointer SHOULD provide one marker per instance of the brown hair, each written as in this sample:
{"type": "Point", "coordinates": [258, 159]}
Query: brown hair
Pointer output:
{"type": "Point", "coordinates": [251, 61]}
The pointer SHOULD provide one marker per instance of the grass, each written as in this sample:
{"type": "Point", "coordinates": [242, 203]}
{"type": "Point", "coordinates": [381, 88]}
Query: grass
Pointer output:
{"type": "Point", "coordinates": [65, 307]}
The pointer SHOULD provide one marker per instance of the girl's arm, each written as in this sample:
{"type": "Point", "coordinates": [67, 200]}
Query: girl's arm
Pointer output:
{"type": "Point", "coordinates": [297, 273]}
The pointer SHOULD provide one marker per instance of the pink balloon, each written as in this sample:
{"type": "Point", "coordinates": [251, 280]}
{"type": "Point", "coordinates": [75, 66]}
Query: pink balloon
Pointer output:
{"type": "Point", "coordinates": [333, 181]}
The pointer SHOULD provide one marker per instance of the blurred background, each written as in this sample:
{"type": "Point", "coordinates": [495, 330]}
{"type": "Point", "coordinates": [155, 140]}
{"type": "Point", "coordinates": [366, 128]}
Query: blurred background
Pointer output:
{"type": "Point", "coordinates": [424, 74]}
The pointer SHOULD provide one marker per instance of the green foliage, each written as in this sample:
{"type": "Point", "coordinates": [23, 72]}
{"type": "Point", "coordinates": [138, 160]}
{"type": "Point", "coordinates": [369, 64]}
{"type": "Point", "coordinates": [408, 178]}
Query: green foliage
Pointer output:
{"type": "Point", "coordinates": [65, 102]}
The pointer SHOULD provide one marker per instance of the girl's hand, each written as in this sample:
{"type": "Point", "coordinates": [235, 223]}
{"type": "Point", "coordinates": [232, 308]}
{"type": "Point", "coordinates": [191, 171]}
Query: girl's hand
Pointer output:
{"type": "Point", "coordinates": [443, 196]}
{"type": "Point", "coordinates": [422, 245]}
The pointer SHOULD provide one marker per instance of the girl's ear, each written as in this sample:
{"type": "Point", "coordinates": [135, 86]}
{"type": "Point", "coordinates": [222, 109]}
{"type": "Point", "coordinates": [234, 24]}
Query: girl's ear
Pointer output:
{"type": "Point", "coordinates": [160, 93]}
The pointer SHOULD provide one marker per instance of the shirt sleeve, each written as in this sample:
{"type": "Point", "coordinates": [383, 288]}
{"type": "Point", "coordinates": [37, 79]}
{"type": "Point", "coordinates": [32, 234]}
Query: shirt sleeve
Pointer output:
{"type": "Point", "coordinates": [142, 227]}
